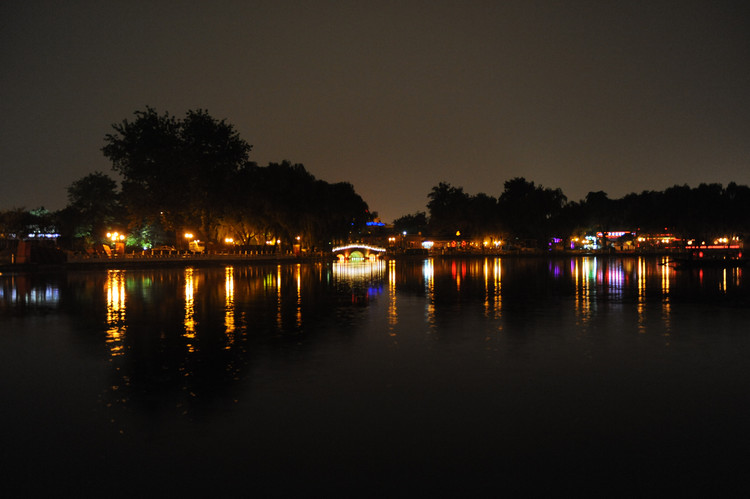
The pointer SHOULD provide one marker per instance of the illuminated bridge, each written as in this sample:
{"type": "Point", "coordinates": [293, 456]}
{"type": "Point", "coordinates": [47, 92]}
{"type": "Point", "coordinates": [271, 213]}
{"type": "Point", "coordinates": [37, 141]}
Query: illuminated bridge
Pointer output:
{"type": "Point", "coordinates": [358, 252]}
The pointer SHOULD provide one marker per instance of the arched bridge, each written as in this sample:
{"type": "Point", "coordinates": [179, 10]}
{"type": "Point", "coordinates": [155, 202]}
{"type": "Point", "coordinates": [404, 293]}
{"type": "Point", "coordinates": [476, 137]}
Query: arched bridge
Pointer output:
{"type": "Point", "coordinates": [358, 252]}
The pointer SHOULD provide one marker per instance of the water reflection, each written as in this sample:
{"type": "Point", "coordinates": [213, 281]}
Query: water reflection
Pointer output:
{"type": "Point", "coordinates": [116, 323]}
{"type": "Point", "coordinates": [189, 321]}
{"type": "Point", "coordinates": [229, 305]}
{"type": "Point", "coordinates": [584, 272]}
{"type": "Point", "coordinates": [666, 271]}
{"type": "Point", "coordinates": [22, 290]}
{"type": "Point", "coordinates": [364, 280]}
{"type": "Point", "coordinates": [298, 273]}
{"type": "Point", "coordinates": [498, 295]}
{"type": "Point", "coordinates": [166, 315]}
{"type": "Point", "coordinates": [428, 271]}
{"type": "Point", "coordinates": [392, 307]}
{"type": "Point", "coordinates": [641, 279]}
{"type": "Point", "coordinates": [218, 370]}
{"type": "Point", "coordinates": [492, 287]}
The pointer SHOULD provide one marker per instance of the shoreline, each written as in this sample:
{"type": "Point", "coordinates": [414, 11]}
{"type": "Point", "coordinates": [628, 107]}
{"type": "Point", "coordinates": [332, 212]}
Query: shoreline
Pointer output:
{"type": "Point", "coordinates": [183, 260]}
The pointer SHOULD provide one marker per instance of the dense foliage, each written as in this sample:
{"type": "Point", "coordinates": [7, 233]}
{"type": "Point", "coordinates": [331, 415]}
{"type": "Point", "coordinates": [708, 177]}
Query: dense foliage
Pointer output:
{"type": "Point", "coordinates": [175, 172]}
{"type": "Point", "coordinates": [194, 174]}
{"type": "Point", "coordinates": [527, 211]}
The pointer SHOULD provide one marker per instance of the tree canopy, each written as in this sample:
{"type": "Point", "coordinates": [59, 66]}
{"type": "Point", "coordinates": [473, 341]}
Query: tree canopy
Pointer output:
{"type": "Point", "coordinates": [528, 211]}
{"type": "Point", "coordinates": [175, 171]}
{"type": "Point", "coordinates": [195, 172]}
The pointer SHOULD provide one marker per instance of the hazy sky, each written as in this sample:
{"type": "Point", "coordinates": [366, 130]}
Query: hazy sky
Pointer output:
{"type": "Point", "coordinates": [394, 97]}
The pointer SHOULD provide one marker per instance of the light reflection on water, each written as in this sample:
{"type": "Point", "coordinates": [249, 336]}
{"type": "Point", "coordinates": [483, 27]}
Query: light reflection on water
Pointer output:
{"type": "Point", "coordinates": [592, 281]}
{"type": "Point", "coordinates": [363, 279]}
{"type": "Point", "coordinates": [21, 291]}
{"type": "Point", "coordinates": [116, 311]}
{"type": "Point", "coordinates": [229, 305]}
{"type": "Point", "coordinates": [190, 322]}
{"type": "Point", "coordinates": [392, 306]}
{"type": "Point", "coordinates": [434, 364]}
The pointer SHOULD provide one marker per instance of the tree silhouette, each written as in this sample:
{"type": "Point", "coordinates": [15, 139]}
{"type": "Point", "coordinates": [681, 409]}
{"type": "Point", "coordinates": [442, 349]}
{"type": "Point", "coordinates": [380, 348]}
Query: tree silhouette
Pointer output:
{"type": "Point", "coordinates": [449, 210]}
{"type": "Point", "coordinates": [93, 206]}
{"type": "Point", "coordinates": [411, 224]}
{"type": "Point", "coordinates": [175, 171]}
{"type": "Point", "coordinates": [530, 211]}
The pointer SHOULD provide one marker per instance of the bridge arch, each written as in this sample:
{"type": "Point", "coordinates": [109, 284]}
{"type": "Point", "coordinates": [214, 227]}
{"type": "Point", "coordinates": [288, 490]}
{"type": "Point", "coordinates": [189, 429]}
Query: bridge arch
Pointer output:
{"type": "Point", "coordinates": [358, 252]}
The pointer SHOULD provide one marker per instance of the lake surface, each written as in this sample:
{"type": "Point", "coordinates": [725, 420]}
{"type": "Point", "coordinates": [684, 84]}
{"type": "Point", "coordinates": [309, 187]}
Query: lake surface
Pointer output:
{"type": "Point", "coordinates": [524, 377]}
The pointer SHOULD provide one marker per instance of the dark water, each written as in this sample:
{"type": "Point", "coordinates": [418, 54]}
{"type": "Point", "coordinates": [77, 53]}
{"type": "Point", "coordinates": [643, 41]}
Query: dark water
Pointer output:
{"type": "Point", "coordinates": [517, 377]}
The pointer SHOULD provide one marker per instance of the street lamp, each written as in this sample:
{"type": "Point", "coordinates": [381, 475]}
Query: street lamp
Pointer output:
{"type": "Point", "coordinates": [116, 237]}
{"type": "Point", "coordinates": [189, 238]}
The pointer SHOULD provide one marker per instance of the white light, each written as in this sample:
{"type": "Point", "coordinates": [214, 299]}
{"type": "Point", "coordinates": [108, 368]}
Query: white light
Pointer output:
{"type": "Point", "coordinates": [362, 246]}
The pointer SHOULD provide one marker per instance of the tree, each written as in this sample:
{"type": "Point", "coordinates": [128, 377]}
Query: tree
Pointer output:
{"type": "Point", "coordinates": [213, 153]}
{"type": "Point", "coordinates": [448, 207]}
{"type": "Point", "coordinates": [93, 203]}
{"type": "Point", "coordinates": [598, 205]}
{"type": "Point", "coordinates": [530, 211]}
{"type": "Point", "coordinates": [147, 153]}
{"type": "Point", "coordinates": [14, 223]}
{"type": "Point", "coordinates": [411, 224]}
{"type": "Point", "coordinates": [176, 171]}
{"type": "Point", "coordinates": [482, 213]}
{"type": "Point", "coordinates": [284, 201]}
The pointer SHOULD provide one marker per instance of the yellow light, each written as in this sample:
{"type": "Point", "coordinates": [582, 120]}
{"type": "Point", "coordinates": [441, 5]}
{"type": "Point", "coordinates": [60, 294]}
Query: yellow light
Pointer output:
{"type": "Point", "coordinates": [188, 235]}
{"type": "Point", "coordinates": [228, 240]}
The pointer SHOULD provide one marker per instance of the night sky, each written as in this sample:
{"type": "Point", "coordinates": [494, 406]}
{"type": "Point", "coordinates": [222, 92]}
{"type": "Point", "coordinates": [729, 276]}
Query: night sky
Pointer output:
{"type": "Point", "coordinates": [394, 97]}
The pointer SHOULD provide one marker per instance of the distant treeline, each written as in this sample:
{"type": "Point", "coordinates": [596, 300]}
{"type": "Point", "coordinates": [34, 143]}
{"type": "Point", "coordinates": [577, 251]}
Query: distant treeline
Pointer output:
{"type": "Point", "coordinates": [194, 174]}
{"type": "Point", "coordinates": [530, 211]}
